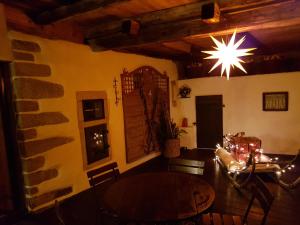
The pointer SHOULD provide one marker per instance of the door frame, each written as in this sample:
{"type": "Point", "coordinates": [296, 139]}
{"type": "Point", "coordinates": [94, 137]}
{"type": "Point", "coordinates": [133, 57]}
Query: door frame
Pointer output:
{"type": "Point", "coordinates": [10, 136]}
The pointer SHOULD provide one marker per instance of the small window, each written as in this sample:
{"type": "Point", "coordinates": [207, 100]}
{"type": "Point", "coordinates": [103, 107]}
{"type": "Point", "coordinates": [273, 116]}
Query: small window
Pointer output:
{"type": "Point", "coordinates": [93, 127]}
{"type": "Point", "coordinates": [93, 109]}
{"type": "Point", "coordinates": [96, 143]}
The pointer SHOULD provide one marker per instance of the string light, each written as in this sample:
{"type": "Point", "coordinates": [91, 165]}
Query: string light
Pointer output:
{"type": "Point", "coordinates": [98, 138]}
{"type": "Point", "coordinates": [278, 172]}
{"type": "Point", "coordinates": [236, 167]}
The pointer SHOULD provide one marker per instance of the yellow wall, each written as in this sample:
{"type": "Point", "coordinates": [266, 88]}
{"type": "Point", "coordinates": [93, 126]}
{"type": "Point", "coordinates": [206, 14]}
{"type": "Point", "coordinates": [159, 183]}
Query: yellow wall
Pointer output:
{"type": "Point", "coordinates": [77, 68]}
{"type": "Point", "coordinates": [5, 51]}
{"type": "Point", "coordinates": [242, 96]}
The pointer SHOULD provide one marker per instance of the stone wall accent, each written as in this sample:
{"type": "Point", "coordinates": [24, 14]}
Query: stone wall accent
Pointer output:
{"type": "Point", "coordinates": [48, 197]}
{"type": "Point", "coordinates": [25, 45]}
{"type": "Point", "coordinates": [31, 69]}
{"type": "Point", "coordinates": [31, 190]}
{"type": "Point", "coordinates": [33, 164]}
{"type": "Point", "coordinates": [27, 88]}
{"type": "Point", "coordinates": [31, 179]}
{"type": "Point", "coordinates": [31, 148]}
{"type": "Point", "coordinates": [40, 119]}
{"type": "Point", "coordinates": [27, 106]}
{"type": "Point", "coordinates": [27, 134]}
{"type": "Point", "coordinates": [23, 56]}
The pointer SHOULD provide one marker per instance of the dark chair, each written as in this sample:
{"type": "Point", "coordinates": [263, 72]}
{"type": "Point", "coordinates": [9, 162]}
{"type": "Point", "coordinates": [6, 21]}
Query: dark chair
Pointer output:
{"type": "Point", "coordinates": [100, 177]}
{"type": "Point", "coordinates": [186, 166]}
{"type": "Point", "coordinates": [58, 213]}
{"type": "Point", "coordinates": [103, 174]}
{"type": "Point", "coordinates": [259, 192]}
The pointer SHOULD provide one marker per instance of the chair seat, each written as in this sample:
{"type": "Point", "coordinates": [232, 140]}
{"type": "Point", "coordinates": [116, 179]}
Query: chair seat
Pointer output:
{"type": "Point", "coordinates": [221, 219]}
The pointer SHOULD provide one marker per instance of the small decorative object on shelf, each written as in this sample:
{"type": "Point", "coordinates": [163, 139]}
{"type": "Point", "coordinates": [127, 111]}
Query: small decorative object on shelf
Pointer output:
{"type": "Point", "coordinates": [184, 122]}
{"type": "Point", "coordinates": [185, 91]}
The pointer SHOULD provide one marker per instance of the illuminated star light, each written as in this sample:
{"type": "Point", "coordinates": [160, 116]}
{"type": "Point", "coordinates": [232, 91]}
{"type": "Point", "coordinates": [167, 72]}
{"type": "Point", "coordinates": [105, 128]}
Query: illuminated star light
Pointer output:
{"type": "Point", "coordinates": [228, 55]}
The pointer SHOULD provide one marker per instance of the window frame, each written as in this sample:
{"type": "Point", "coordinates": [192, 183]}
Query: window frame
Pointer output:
{"type": "Point", "coordinates": [91, 95]}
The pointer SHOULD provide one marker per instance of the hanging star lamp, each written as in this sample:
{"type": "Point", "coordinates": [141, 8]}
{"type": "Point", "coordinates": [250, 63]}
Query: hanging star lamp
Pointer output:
{"type": "Point", "coordinates": [228, 55]}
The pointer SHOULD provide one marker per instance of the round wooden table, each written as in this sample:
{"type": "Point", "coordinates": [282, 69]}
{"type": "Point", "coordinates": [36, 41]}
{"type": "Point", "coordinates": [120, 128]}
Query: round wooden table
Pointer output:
{"type": "Point", "coordinates": [165, 196]}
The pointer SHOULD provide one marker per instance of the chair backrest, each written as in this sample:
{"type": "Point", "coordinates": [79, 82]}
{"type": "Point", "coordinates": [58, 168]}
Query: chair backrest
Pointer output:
{"type": "Point", "coordinates": [263, 195]}
{"type": "Point", "coordinates": [103, 174]}
{"type": "Point", "coordinates": [186, 166]}
{"type": "Point", "coordinates": [58, 213]}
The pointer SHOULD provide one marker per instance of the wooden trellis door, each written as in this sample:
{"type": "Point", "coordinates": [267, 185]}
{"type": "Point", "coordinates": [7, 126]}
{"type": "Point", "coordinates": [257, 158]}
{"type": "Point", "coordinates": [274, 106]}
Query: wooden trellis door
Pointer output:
{"type": "Point", "coordinates": [145, 94]}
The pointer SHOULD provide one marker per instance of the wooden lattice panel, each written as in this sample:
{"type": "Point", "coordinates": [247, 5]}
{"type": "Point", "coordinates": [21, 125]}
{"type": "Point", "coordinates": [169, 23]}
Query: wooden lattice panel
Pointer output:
{"type": "Point", "coordinates": [145, 94]}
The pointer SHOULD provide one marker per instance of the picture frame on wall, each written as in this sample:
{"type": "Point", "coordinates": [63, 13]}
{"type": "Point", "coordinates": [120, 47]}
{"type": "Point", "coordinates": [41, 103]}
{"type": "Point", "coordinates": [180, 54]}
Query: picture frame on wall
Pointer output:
{"type": "Point", "coordinates": [275, 101]}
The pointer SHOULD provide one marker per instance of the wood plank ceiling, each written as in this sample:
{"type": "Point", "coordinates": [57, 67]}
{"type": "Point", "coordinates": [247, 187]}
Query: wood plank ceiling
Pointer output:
{"type": "Point", "coordinates": [173, 29]}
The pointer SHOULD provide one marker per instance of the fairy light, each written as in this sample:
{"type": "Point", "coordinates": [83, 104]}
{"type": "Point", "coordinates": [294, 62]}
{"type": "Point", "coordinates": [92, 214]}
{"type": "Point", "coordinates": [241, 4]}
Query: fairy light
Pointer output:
{"type": "Point", "coordinates": [98, 138]}
{"type": "Point", "coordinates": [238, 166]}
{"type": "Point", "coordinates": [278, 172]}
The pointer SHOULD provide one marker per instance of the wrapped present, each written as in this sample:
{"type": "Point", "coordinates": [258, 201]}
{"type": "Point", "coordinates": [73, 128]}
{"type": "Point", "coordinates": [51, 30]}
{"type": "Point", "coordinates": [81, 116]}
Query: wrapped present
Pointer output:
{"type": "Point", "coordinates": [243, 146]}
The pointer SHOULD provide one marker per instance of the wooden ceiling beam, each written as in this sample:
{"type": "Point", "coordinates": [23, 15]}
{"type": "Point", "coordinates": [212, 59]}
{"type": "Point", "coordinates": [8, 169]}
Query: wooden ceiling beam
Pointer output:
{"type": "Point", "coordinates": [155, 54]}
{"type": "Point", "coordinates": [84, 6]}
{"type": "Point", "coordinates": [70, 10]}
{"type": "Point", "coordinates": [179, 13]}
{"type": "Point", "coordinates": [17, 20]}
{"type": "Point", "coordinates": [239, 6]}
{"type": "Point", "coordinates": [271, 16]}
{"type": "Point", "coordinates": [178, 46]}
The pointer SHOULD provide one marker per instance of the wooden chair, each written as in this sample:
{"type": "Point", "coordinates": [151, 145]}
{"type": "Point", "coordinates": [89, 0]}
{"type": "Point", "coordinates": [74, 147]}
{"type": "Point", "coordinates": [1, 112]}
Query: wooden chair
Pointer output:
{"type": "Point", "coordinates": [259, 192]}
{"type": "Point", "coordinates": [58, 213]}
{"type": "Point", "coordinates": [100, 177]}
{"type": "Point", "coordinates": [103, 174]}
{"type": "Point", "coordinates": [186, 166]}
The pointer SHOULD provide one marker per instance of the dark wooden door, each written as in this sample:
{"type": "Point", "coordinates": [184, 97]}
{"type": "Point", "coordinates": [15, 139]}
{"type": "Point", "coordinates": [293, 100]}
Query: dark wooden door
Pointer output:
{"type": "Point", "coordinates": [12, 201]}
{"type": "Point", "coordinates": [5, 189]}
{"type": "Point", "coordinates": [6, 203]}
{"type": "Point", "coordinates": [209, 121]}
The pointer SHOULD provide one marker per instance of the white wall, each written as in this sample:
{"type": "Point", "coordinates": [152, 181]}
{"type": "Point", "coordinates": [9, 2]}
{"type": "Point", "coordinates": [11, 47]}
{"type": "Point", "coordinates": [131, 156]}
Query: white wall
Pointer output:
{"type": "Point", "coordinates": [242, 96]}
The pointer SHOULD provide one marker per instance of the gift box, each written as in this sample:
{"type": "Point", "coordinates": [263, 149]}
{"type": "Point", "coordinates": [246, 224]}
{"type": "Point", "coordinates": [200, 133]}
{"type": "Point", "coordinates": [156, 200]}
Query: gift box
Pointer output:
{"type": "Point", "coordinates": [243, 146]}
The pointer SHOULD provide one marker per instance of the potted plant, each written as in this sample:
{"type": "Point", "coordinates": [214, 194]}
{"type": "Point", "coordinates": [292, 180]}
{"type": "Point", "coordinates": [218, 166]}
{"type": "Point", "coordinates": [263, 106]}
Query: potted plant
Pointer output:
{"type": "Point", "coordinates": [172, 144]}
{"type": "Point", "coordinates": [169, 136]}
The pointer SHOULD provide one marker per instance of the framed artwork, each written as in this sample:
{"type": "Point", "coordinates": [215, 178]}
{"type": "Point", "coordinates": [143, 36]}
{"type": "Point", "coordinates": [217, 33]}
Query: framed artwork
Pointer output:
{"type": "Point", "coordinates": [275, 101]}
